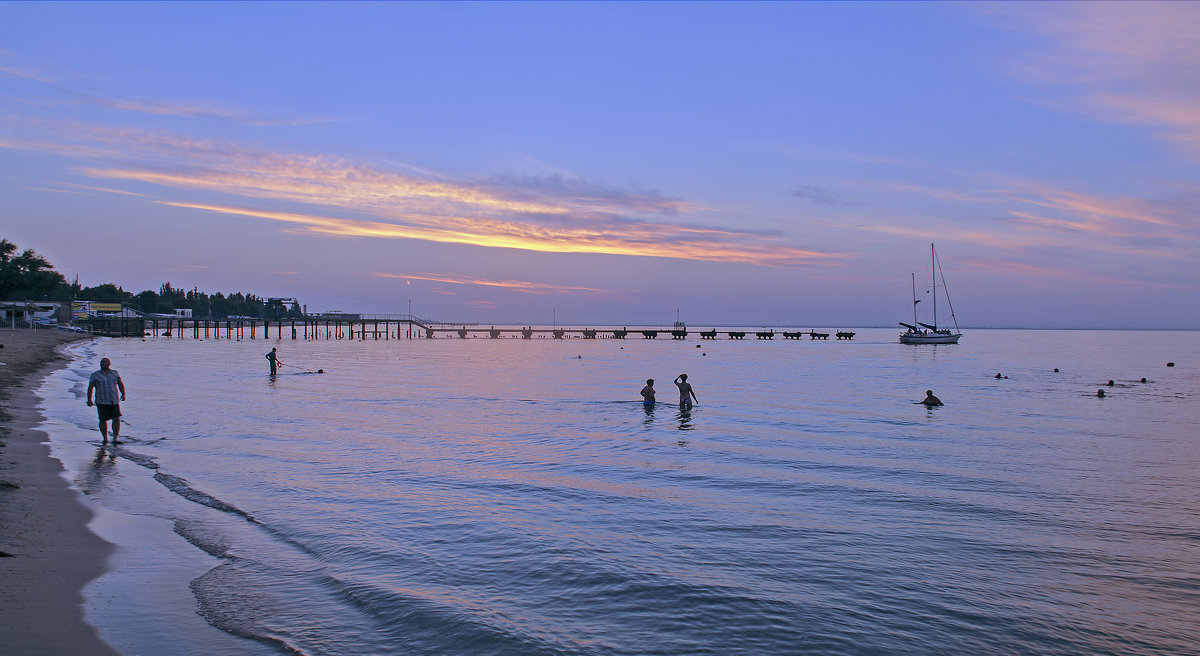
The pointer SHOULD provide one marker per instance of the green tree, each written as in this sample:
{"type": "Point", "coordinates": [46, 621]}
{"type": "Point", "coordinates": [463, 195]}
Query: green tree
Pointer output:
{"type": "Point", "coordinates": [107, 293]}
{"type": "Point", "coordinates": [28, 276]}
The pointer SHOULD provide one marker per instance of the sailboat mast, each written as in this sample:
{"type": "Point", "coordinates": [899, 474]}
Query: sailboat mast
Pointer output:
{"type": "Point", "coordinates": [933, 280]}
{"type": "Point", "coordinates": [946, 288]}
{"type": "Point", "coordinates": [915, 301]}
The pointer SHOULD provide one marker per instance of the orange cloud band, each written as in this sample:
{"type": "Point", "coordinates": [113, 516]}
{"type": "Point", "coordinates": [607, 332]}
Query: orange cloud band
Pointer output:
{"type": "Point", "coordinates": [654, 240]}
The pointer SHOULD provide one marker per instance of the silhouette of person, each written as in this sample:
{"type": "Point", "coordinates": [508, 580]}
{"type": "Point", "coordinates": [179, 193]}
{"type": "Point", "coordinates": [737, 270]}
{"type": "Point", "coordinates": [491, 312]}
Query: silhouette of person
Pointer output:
{"type": "Point", "coordinates": [686, 394]}
{"type": "Point", "coordinates": [931, 400]}
{"type": "Point", "coordinates": [106, 383]}
{"type": "Point", "coordinates": [274, 360]}
{"type": "Point", "coordinates": [648, 393]}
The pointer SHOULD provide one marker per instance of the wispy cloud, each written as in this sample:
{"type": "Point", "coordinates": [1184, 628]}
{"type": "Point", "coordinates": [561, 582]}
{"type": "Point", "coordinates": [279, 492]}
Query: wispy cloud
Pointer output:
{"type": "Point", "coordinates": [1123, 62]}
{"type": "Point", "coordinates": [1028, 214]}
{"type": "Point", "coordinates": [360, 199]}
{"type": "Point", "coordinates": [814, 194]}
{"type": "Point", "coordinates": [1047, 271]}
{"type": "Point", "coordinates": [513, 285]}
{"type": "Point", "coordinates": [76, 94]}
{"type": "Point", "coordinates": [638, 239]}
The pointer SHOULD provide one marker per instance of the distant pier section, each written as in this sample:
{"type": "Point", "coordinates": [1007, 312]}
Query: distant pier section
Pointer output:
{"type": "Point", "coordinates": [395, 326]}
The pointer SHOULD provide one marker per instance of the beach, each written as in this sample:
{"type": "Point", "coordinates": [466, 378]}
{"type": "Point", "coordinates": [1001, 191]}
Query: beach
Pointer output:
{"type": "Point", "coordinates": [47, 553]}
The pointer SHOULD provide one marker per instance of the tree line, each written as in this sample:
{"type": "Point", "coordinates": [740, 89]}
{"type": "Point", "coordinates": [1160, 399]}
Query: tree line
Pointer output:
{"type": "Point", "coordinates": [28, 276]}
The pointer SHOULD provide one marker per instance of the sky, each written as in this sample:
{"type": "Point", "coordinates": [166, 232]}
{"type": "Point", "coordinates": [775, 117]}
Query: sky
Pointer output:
{"type": "Point", "coordinates": [623, 163]}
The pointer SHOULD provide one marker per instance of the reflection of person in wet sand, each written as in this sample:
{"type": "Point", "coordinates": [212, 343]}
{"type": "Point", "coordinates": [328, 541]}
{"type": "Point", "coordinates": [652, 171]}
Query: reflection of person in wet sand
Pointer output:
{"type": "Point", "coordinates": [106, 383]}
{"type": "Point", "coordinates": [686, 395]}
{"type": "Point", "coordinates": [648, 393]}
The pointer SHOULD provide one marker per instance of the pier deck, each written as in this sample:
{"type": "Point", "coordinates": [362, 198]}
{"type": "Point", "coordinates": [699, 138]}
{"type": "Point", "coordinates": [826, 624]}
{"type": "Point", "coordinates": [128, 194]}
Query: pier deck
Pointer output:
{"type": "Point", "coordinates": [387, 327]}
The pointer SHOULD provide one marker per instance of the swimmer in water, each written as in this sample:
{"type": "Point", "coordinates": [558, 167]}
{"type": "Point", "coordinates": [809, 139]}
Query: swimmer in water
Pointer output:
{"type": "Point", "coordinates": [648, 393]}
{"type": "Point", "coordinates": [931, 400]}
{"type": "Point", "coordinates": [686, 394]}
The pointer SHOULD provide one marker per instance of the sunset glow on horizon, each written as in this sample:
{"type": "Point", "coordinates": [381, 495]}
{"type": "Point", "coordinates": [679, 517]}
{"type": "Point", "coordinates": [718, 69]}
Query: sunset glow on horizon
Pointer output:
{"type": "Point", "coordinates": [742, 163]}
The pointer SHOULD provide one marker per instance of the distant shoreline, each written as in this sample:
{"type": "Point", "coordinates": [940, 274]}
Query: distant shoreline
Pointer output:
{"type": "Point", "coordinates": [49, 555]}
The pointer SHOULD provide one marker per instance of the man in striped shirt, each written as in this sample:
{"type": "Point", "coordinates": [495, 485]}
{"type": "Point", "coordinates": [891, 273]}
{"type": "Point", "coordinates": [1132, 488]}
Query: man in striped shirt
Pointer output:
{"type": "Point", "coordinates": [106, 383]}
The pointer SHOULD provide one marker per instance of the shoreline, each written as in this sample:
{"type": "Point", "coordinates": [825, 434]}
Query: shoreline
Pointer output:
{"type": "Point", "coordinates": [48, 552]}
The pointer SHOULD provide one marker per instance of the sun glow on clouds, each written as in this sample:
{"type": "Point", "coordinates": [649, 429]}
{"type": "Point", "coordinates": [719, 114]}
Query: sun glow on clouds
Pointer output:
{"type": "Point", "coordinates": [576, 234]}
{"type": "Point", "coordinates": [1035, 206]}
{"type": "Point", "coordinates": [354, 199]}
{"type": "Point", "coordinates": [514, 285]}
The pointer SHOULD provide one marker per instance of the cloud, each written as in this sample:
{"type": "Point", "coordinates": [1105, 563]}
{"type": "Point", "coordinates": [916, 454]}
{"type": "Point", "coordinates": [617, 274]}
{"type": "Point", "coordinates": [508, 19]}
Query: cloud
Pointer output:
{"type": "Point", "coordinates": [637, 239]}
{"type": "Point", "coordinates": [1030, 215]}
{"type": "Point", "coordinates": [1044, 272]}
{"type": "Point", "coordinates": [157, 108]}
{"type": "Point", "coordinates": [814, 194]}
{"type": "Point", "coordinates": [1121, 62]}
{"type": "Point", "coordinates": [514, 285]}
{"type": "Point", "coordinates": [360, 199]}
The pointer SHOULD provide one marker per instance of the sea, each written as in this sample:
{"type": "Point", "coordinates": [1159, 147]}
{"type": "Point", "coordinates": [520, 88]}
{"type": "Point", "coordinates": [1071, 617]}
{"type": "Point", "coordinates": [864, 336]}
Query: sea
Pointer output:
{"type": "Point", "coordinates": [502, 497]}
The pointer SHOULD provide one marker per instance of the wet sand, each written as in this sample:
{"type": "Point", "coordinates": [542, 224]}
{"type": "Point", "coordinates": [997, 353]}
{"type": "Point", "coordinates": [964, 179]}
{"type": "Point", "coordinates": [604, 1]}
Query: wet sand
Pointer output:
{"type": "Point", "coordinates": [47, 553]}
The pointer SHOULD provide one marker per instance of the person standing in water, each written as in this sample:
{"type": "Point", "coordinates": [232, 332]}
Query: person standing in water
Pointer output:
{"type": "Point", "coordinates": [648, 393]}
{"type": "Point", "coordinates": [106, 383]}
{"type": "Point", "coordinates": [686, 395]}
{"type": "Point", "coordinates": [931, 400]}
{"type": "Point", "coordinates": [274, 360]}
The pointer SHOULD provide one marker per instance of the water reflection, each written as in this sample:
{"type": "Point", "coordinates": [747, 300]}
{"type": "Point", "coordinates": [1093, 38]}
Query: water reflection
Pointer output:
{"type": "Point", "coordinates": [103, 465]}
{"type": "Point", "coordinates": [685, 417]}
{"type": "Point", "coordinates": [649, 420]}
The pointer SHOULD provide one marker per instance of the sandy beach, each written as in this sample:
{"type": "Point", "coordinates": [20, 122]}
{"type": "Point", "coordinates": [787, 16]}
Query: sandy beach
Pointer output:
{"type": "Point", "coordinates": [47, 553]}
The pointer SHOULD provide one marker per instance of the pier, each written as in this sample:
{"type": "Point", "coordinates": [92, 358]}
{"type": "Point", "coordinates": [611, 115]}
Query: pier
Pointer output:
{"type": "Point", "coordinates": [388, 327]}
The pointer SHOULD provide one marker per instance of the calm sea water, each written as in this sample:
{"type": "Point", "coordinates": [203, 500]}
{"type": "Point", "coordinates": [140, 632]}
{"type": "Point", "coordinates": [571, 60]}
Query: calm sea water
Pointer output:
{"type": "Point", "coordinates": [506, 496]}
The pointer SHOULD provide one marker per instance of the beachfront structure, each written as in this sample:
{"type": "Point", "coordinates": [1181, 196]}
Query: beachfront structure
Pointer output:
{"type": "Point", "coordinates": [15, 314]}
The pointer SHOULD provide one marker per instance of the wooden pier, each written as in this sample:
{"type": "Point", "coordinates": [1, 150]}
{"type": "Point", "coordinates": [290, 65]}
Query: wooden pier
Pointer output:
{"type": "Point", "coordinates": [388, 327]}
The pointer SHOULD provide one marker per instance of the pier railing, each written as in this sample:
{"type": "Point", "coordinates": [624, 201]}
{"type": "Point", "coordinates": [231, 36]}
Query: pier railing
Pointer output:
{"type": "Point", "coordinates": [398, 326]}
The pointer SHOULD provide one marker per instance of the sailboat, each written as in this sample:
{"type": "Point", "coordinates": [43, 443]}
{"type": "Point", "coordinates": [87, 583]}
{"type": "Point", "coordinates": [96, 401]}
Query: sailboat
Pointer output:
{"type": "Point", "coordinates": [925, 333]}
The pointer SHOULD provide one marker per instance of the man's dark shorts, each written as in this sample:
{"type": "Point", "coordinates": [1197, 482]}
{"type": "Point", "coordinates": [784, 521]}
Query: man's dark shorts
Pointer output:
{"type": "Point", "coordinates": [107, 412]}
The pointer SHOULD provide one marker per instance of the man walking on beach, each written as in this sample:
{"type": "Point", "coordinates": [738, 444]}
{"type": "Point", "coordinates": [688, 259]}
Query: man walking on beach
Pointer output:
{"type": "Point", "coordinates": [106, 384]}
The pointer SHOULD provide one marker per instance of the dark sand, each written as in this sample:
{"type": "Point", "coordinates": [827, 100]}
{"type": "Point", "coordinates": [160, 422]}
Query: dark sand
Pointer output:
{"type": "Point", "coordinates": [47, 554]}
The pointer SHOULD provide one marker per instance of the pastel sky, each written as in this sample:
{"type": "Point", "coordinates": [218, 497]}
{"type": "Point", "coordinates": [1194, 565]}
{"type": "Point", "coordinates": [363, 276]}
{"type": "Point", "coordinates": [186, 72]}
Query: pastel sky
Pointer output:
{"type": "Point", "coordinates": [616, 163]}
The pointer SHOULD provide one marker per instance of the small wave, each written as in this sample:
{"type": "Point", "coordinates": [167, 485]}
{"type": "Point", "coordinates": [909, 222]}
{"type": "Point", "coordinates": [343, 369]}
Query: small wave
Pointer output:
{"type": "Point", "coordinates": [201, 537]}
{"type": "Point", "coordinates": [231, 608]}
{"type": "Point", "coordinates": [135, 458]}
{"type": "Point", "coordinates": [180, 486]}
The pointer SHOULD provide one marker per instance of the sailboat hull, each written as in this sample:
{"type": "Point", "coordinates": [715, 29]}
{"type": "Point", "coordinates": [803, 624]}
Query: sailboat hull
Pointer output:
{"type": "Point", "coordinates": [929, 338]}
